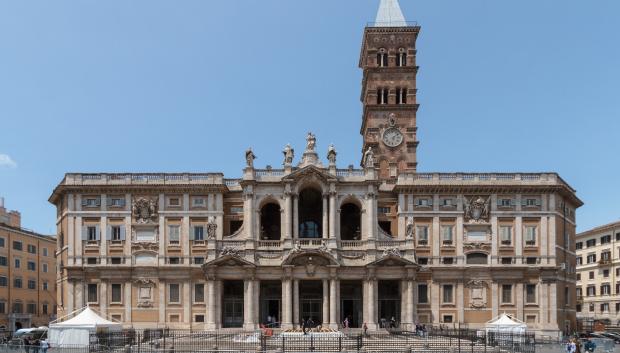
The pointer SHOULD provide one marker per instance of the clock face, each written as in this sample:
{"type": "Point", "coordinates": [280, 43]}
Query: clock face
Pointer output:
{"type": "Point", "coordinates": [392, 137]}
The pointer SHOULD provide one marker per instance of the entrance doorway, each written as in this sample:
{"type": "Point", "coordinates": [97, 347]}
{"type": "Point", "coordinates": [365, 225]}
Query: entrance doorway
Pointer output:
{"type": "Point", "coordinates": [351, 302]}
{"type": "Point", "coordinates": [232, 304]}
{"type": "Point", "coordinates": [311, 301]}
{"type": "Point", "coordinates": [270, 303]}
{"type": "Point", "coordinates": [389, 303]}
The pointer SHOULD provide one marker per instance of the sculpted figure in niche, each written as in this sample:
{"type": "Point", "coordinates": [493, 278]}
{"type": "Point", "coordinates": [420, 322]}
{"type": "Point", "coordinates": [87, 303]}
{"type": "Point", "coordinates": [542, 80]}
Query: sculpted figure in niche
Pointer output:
{"type": "Point", "coordinates": [369, 158]}
{"type": "Point", "coordinates": [410, 229]}
{"type": "Point", "coordinates": [331, 154]}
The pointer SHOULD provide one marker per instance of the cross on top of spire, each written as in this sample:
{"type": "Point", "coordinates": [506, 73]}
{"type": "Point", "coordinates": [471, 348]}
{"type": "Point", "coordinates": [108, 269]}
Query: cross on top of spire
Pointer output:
{"type": "Point", "coordinates": [390, 15]}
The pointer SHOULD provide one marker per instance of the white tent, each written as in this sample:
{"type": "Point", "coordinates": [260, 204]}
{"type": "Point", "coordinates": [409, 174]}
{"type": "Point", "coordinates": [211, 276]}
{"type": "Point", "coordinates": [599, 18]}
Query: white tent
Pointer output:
{"type": "Point", "coordinates": [77, 330]}
{"type": "Point", "coordinates": [506, 324]}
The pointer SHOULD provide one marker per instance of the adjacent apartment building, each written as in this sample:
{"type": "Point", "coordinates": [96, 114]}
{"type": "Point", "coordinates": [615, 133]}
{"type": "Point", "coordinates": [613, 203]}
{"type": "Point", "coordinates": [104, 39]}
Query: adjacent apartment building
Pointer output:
{"type": "Point", "coordinates": [27, 274]}
{"type": "Point", "coordinates": [598, 274]}
{"type": "Point", "coordinates": [312, 240]}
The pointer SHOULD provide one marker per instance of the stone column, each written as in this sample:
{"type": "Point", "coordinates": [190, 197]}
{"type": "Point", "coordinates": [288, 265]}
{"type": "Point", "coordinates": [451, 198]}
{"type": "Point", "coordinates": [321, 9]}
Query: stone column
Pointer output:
{"type": "Point", "coordinates": [128, 302]}
{"type": "Point", "coordinates": [184, 238]}
{"type": "Point", "coordinates": [324, 233]}
{"type": "Point", "coordinates": [326, 302]}
{"type": "Point", "coordinates": [211, 298]}
{"type": "Point", "coordinates": [287, 317]}
{"type": "Point", "coordinates": [495, 299]}
{"type": "Point", "coordinates": [544, 235]}
{"type": "Point", "coordinates": [402, 221]}
{"type": "Point", "coordinates": [404, 303]}
{"type": "Point", "coordinates": [371, 318]}
{"type": "Point", "coordinates": [458, 241]}
{"type": "Point", "coordinates": [553, 308]}
{"type": "Point", "coordinates": [103, 298]}
{"type": "Point", "coordinates": [248, 212]}
{"type": "Point", "coordinates": [460, 301]}
{"type": "Point", "coordinates": [435, 238]}
{"type": "Point", "coordinates": [414, 299]}
{"type": "Point", "coordinates": [103, 225]}
{"type": "Point", "coordinates": [248, 305]}
{"type": "Point", "coordinates": [161, 252]}
{"type": "Point", "coordinates": [79, 249]}
{"type": "Point", "coordinates": [295, 302]}
{"type": "Point", "coordinates": [333, 309]}
{"type": "Point", "coordinates": [332, 214]}
{"type": "Point", "coordinates": [519, 237]}
{"type": "Point", "coordinates": [519, 300]}
{"type": "Point", "coordinates": [544, 304]}
{"type": "Point", "coordinates": [70, 307]}
{"type": "Point", "coordinates": [371, 211]}
{"type": "Point", "coordinates": [187, 302]}
{"type": "Point", "coordinates": [434, 298]}
{"type": "Point", "coordinates": [288, 210]}
{"type": "Point", "coordinates": [295, 216]}
{"type": "Point", "coordinates": [161, 293]}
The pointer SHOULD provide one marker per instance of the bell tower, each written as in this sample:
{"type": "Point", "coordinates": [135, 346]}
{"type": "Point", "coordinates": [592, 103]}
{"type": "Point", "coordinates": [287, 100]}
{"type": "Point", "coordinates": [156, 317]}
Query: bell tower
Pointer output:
{"type": "Point", "coordinates": [388, 60]}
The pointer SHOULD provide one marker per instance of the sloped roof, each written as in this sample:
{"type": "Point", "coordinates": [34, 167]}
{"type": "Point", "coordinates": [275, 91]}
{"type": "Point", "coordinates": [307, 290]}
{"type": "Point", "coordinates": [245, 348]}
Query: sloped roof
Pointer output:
{"type": "Point", "coordinates": [88, 317]}
{"type": "Point", "coordinates": [505, 320]}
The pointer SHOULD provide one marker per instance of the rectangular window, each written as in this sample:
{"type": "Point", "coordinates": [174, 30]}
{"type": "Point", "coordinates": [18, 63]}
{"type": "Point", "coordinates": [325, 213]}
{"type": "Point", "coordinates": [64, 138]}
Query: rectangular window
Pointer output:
{"type": "Point", "coordinates": [507, 261]}
{"type": "Point", "coordinates": [199, 318]}
{"type": "Point", "coordinates": [199, 260]}
{"type": "Point", "coordinates": [18, 308]}
{"type": "Point", "coordinates": [198, 202]}
{"type": "Point", "coordinates": [617, 307]}
{"type": "Point", "coordinates": [44, 251]}
{"type": "Point", "coordinates": [91, 202]}
{"type": "Point", "coordinates": [3, 261]}
{"type": "Point", "coordinates": [174, 201]}
{"type": "Point", "coordinates": [447, 203]}
{"type": "Point", "coordinates": [578, 245]}
{"type": "Point", "coordinates": [447, 319]}
{"type": "Point", "coordinates": [32, 266]}
{"type": "Point", "coordinates": [173, 234]}
{"type": "Point", "coordinates": [605, 273]}
{"type": "Point", "coordinates": [116, 233]}
{"type": "Point", "coordinates": [591, 291]}
{"type": "Point", "coordinates": [591, 275]}
{"type": "Point", "coordinates": [530, 235]}
{"type": "Point", "coordinates": [424, 202]}
{"type": "Point", "coordinates": [199, 233]}
{"type": "Point", "coordinates": [422, 293]}
{"type": "Point", "coordinates": [591, 258]}
{"type": "Point", "coordinates": [422, 233]}
{"type": "Point", "coordinates": [44, 309]}
{"type": "Point", "coordinates": [116, 202]}
{"type": "Point", "coordinates": [45, 286]}
{"type": "Point", "coordinates": [448, 297]}
{"type": "Point", "coordinates": [579, 276]}
{"type": "Point", "coordinates": [1, 242]}
{"type": "Point", "coordinates": [446, 235]}
{"type": "Point", "coordinates": [199, 293]}
{"type": "Point", "coordinates": [605, 307]}
{"type": "Point", "coordinates": [31, 308]}
{"type": "Point", "coordinates": [532, 202]}
{"type": "Point", "coordinates": [4, 281]}
{"type": "Point", "coordinates": [506, 293]}
{"type": "Point", "coordinates": [606, 239]}
{"type": "Point", "coordinates": [530, 294]}
{"type": "Point", "coordinates": [92, 293]}
{"type": "Point", "coordinates": [32, 284]}
{"type": "Point", "coordinates": [18, 263]}
{"type": "Point", "coordinates": [3, 308]}
{"type": "Point", "coordinates": [31, 249]}
{"type": "Point", "coordinates": [17, 245]}
{"type": "Point", "coordinates": [91, 232]}
{"type": "Point", "coordinates": [173, 293]}
{"type": "Point", "coordinates": [117, 293]}
{"type": "Point", "coordinates": [17, 282]}
{"type": "Point", "coordinates": [578, 292]}
{"type": "Point", "coordinates": [590, 243]}
{"type": "Point", "coordinates": [174, 260]}
{"type": "Point", "coordinates": [384, 210]}
{"type": "Point", "coordinates": [505, 235]}
{"type": "Point", "coordinates": [579, 260]}
{"type": "Point", "coordinates": [235, 209]}
{"type": "Point", "coordinates": [605, 289]}
{"type": "Point", "coordinates": [505, 202]}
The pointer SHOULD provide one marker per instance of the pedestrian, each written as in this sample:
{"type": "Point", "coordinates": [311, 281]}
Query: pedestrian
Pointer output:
{"type": "Point", "coordinates": [571, 347]}
{"type": "Point", "coordinates": [392, 322]}
{"type": "Point", "coordinates": [365, 328]}
{"type": "Point", "coordinates": [310, 323]}
{"type": "Point", "coordinates": [44, 345]}
{"type": "Point", "coordinates": [27, 344]}
{"type": "Point", "coordinates": [303, 326]}
{"type": "Point", "coordinates": [345, 323]}
{"type": "Point", "coordinates": [589, 346]}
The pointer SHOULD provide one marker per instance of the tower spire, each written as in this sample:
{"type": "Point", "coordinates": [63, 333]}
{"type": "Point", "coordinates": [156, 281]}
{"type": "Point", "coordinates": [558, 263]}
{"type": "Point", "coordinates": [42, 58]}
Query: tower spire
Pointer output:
{"type": "Point", "coordinates": [390, 15]}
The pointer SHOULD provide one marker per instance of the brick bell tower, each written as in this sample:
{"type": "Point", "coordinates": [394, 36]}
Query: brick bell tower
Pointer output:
{"type": "Point", "coordinates": [388, 59]}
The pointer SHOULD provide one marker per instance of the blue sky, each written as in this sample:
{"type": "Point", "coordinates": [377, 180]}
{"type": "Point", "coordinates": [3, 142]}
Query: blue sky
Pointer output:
{"type": "Point", "coordinates": [120, 86]}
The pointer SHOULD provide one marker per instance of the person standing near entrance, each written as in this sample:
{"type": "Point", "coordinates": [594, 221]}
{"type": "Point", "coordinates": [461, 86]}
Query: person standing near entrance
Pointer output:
{"type": "Point", "coordinates": [345, 323]}
{"type": "Point", "coordinates": [303, 325]}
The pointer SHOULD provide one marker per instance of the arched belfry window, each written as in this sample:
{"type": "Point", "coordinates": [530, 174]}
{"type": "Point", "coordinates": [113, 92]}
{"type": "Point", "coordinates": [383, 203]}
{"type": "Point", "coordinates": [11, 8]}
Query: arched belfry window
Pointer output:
{"type": "Point", "coordinates": [270, 222]}
{"type": "Point", "coordinates": [382, 95]}
{"type": "Point", "coordinates": [350, 222]}
{"type": "Point", "coordinates": [477, 258]}
{"type": "Point", "coordinates": [401, 96]}
{"type": "Point", "coordinates": [402, 57]}
{"type": "Point", "coordinates": [382, 58]}
{"type": "Point", "coordinates": [310, 213]}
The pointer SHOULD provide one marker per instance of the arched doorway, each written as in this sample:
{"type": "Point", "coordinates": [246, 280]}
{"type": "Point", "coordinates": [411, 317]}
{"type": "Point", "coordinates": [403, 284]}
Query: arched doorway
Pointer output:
{"type": "Point", "coordinates": [350, 222]}
{"type": "Point", "coordinates": [310, 213]}
{"type": "Point", "coordinates": [270, 222]}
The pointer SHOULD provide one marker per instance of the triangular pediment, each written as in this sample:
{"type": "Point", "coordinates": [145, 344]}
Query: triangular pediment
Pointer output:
{"type": "Point", "coordinates": [391, 261]}
{"type": "Point", "coordinates": [229, 260]}
{"type": "Point", "coordinates": [310, 170]}
{"type": "Point", "coordinates": [303, 257]}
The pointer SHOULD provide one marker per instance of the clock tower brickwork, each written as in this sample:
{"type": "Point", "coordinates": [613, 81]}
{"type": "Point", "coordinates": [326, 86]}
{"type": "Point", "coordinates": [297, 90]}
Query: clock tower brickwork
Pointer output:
{"type": "Point", "coordinates": [388, 59]}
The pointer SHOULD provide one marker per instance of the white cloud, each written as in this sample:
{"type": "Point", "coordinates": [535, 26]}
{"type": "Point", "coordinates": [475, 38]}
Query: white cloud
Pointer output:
{"type": "Point", "coordinates": [6, 161]}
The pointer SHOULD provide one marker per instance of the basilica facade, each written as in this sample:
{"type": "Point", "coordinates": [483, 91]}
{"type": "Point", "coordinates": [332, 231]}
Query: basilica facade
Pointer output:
{"type": "Point", "coordinates": [379, 244]}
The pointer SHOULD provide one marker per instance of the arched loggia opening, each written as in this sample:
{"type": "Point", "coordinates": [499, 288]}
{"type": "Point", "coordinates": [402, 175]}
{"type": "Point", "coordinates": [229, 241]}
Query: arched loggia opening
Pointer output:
{"type": "Point", "coordinates": [310, 213]}
{"type": "Point", "coordinates": [350, 222]}
{"type": "Point", "coordinates": [270, 222]}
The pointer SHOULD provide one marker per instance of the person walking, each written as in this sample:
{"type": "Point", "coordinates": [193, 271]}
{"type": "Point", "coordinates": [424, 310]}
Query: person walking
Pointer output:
{"type": "Point", "coordinates": [589, 346]}
{"type": "Point", "coordinates": [44, 345]}
{"type": "Point", "coordinates": [303, 326]}
{"type": "Point", "coordinates": [345, 323]}
{"type": "Point", "coordinates": [365, 328]}
{"type": "Point", "coordinates": [571, 346]}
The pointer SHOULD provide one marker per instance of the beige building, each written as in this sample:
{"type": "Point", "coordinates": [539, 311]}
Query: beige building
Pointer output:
{"type": "Point", "coordinates": [27, 274]}
{"type": "Point", "coordinates": [311, 240]}
{"type": "Point", "coordinates": [598, 273]}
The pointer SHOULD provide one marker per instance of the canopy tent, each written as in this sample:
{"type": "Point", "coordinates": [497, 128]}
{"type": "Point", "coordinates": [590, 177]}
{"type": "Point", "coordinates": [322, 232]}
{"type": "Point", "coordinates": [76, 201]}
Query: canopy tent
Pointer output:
{"type": "Point", "coordinates": [506, 324]}
{"type": "Point", "coordinates": [77, 330]}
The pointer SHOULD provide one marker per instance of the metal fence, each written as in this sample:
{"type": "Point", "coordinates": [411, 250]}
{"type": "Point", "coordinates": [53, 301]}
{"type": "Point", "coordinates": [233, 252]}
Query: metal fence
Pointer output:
{"type": "Point", "coordinates": [429, 340]}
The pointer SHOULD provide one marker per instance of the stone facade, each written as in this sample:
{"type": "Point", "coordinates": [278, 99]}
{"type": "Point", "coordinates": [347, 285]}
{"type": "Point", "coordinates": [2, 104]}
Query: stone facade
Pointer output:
{"type": "Point", "coordinates": [27, 274]}
{"type": "Point", "coordinates": [598, 273]}
{"type": "Point", "coordinates": [312, 240]}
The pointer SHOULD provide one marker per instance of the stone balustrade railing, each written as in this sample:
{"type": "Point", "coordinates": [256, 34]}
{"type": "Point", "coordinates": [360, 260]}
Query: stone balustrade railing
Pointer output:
{"type": "Point", "coordinates": [144, 178]}
{"type": "Point", "coordinates": [487, 178]}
